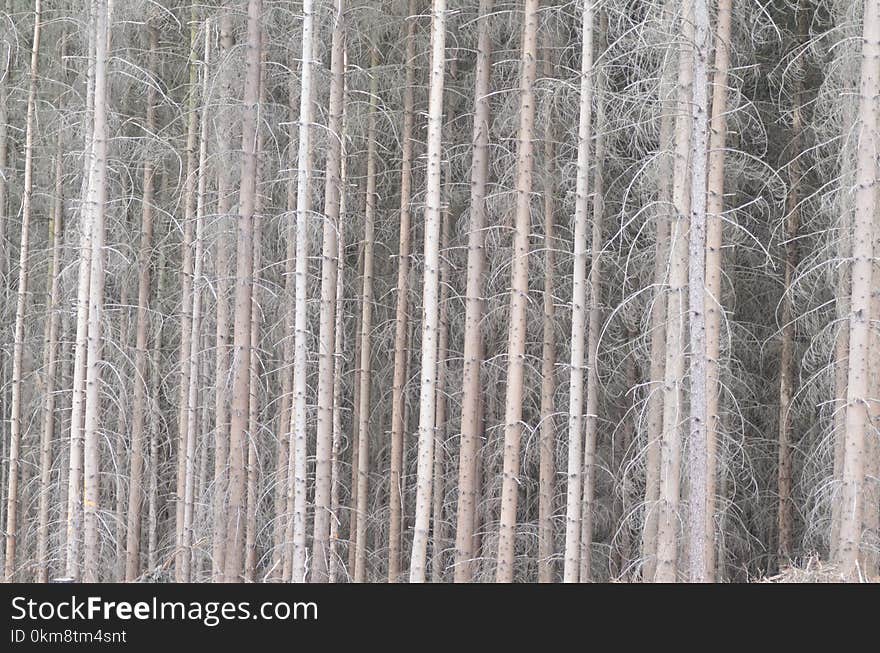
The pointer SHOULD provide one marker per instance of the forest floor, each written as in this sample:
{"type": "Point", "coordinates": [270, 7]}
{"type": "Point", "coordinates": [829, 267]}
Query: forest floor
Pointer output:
{"type": "Point", "coordinates": [812, 570]}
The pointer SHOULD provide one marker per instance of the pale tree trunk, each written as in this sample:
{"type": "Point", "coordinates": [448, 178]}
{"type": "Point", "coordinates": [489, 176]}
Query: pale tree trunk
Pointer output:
{"type": "Point", "coordinates": [223, 263]}
{"type": "Point", "coordinates": [439, 532]}
{"type": "Point", "coordinates": [326, 336]}
{"type": "Point", "coordinates": [571, 568]}
{"type": "Point", "coordinates": [852, 496]}
{"type": "Point", "coordinates": [97, 200]}
{"type": "Point", "coordinates": [136, 470]}
{"type": "Point", "coordinates": [12, 498]}
{"type": "Point", "coordinates": [698, 540]}
{"type": "Point", "coordinates": [430, 292]}
{"type": "Point", "coordinates": [297, 465]}
{"type": "Point", "coordinates": [53, 319]}
{"type": "Point", "coordinates": [657, 366]}
{"type": "Point", "coordinates": [186, 302]}
{"type": "Point", "coordinates": [253, 428]}
{"type": "Point", "coordinates": [676, 315]}
{"type": "Point", "coordinates": [241, 345]}
{"type": "Point", "coordinates": [398, 395]}
{"type": "Point", "coordinates": [355, 433]}
{"type": "Point", "coordinates": [192, 409]}
{"type": "Point", "coordinates": [784, 517]}
{"type": "Point", "coordinates": [594, 322]}
{"type": "Point", "coordinates": [473, 343]}
{"type": "Point", "coordinates": [516, 346]}
{"type": "Point", "coordinates": [713, 306]}
{"type": "Point", "coordinates": [77, 405]}
{"type": "Point", "coordinates": [118, 461]}
{"type": "Point", "coordinates": [339, 357]}
{"type": "Point", "coordinates": [547, 438]}
{"type": "Point", "coordinates": [366, 326]}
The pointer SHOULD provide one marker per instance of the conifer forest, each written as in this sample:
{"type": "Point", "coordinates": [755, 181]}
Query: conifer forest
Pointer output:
{"type": "Point", "coordinates": [367, 291]}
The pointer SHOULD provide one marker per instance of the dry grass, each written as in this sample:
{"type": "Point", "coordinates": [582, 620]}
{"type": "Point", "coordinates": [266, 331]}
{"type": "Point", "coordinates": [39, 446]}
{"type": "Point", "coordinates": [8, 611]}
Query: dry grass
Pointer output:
{"type": "Point", "coordinates": [813, 570]}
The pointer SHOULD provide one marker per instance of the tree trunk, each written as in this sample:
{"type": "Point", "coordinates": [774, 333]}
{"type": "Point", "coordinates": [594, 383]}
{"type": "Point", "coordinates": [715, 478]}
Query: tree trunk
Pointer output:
{"type": "Point", "coordinates": [854, 451]}
{"type": "Point", "coordinates": [518, 298]}
{"type": "Point", "coordinates": [97, 201]}
{"type": "Point", "coordinates": [12, 498]}
{"type": "Point", "coordinates": [676, 315]}
{"type": "Point", "coordinates": [53, 319]}
{"type": "Point", "coordinates": [398, 394]}
{"type": "Point", "coordinates": [430, 292]}
{"type": "Point", "coordinates": [326, 336]}
{"type": "Point", "coordinates": [579, 310]}
{"type": "Point", "coordinates": [698, 461]}
{"type": "Point", "coordinates": [241, 345]}
{"type": "Point", "coordinates": [474, 301]}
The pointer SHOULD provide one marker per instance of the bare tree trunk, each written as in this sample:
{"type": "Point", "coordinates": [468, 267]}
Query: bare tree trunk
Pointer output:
{"type": "Point", "coordinates": [135, 486]}
{"type": "Point", "coordinates": [714, 232]}
{"type": "Point", "coordinates": [698, 461]}
{"type": "Point", "coordinates": [430, 292]}
{"type": "Point", "coordinates": [297, 469]}
{"type": "Point", "coordinates": [398, 395]}
{"type": "Point", "coordinates": [12, 497]}
{"type": "Point", "coordinates": [186, 301]}
{"type": "Point", "coordinates": [196, 327]}
{"type": "Point", "coordinates": [518, 297]}
{"type": "Point", "coordinates": [784, 517]}
{"type": "Point", "coordinates": [857, 419]}
{"type": "Point", "coordinates": [579, 297]}
{"type": "Point", "coordinates": [223, 262]}
{"type": "Point", "coordinates": [473, 345]}
{"type": "Point", "coordinates": [339, 357]}
{"type": "Point", "coordinates": [241, 346]}
{"type": "Point", "coordinates": [547, 438]}
{"type": "Point", "coordinates": [53, 319]}
{"type": "Point", "coordinates": [97, 201]}
{"type": "Point", "coordinates": [654, 426]}
{"type": "Point", "coordinates": [366, 326]}
{"type": "Point", "coordinates": [676, 315]}
{"type": "Point", "coordinates": [326, 336]}
{"type": "Point", "coordinates": [438, 533]}
{"type": "Point", "coordinates": [253, 428]}
{"type": "Point", "coordinates": [594, 321]}
{"type": "Point", "coordinates": [77, 407]}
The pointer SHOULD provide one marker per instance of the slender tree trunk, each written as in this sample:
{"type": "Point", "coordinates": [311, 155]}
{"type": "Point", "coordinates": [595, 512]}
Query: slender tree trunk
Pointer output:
{"type": "Point", "coordinates": [97, 201]}
{"type": "Point", "coordinates": [366, 326]}
{"type": "Point", "coordinates": [474, 301]}
{"type": "Point", "coordinates": [12, 498]}
{"type": "Point", "coordinates": [547, 442]}
{"type": "Point", "coordinates": [326, 336]}
{"type": "Point", "coordinates": [253, 428]}
{"type": "Point", "coordinates": [186, 311]}
{"type": "Point", "coordinates": [698, 460]}
{"type": "Point", "coordinates": [222, 265]}
{"type": "Point", "coordinates": [676, 315]}
{"type": "Point", "coordinates": [784, 516]}
{"type": "Point", "coordinates": [192, 411]}
{"type": "Point", "coordinates": [297, 469]}
{"type": "Point", "coordinates": [518, 298]}
{"type": "Point", "coordinates": [339, 357]}
{"type": "Point", "coordinates": [853, 473]}
{"type": "Point", "coordinates": [135, 486]}
{"type": "Point", "coordinates": [713, 306]}
{"type": "Point", "coordinates": [594, 322]}
{"type": "Point", "coordinates": [53, 319]}
{"type": "Point", "coordinates": [579, 310]}
{"type": "Point", "coordinates": [430, 292]}
{"type": "Point", "coordinates": [438, 533]}
{"type": "Point", "coordinates": [657, 367]}
{"type": "Point", "coordinates": [398, 394]}
{"type": "Point", "coordinates": [241, 346]}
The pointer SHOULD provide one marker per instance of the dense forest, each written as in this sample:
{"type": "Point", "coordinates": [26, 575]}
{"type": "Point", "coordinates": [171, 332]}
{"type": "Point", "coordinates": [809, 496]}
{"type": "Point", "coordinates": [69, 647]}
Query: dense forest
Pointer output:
{"type": "Point", "coordinates": [450, 291]}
